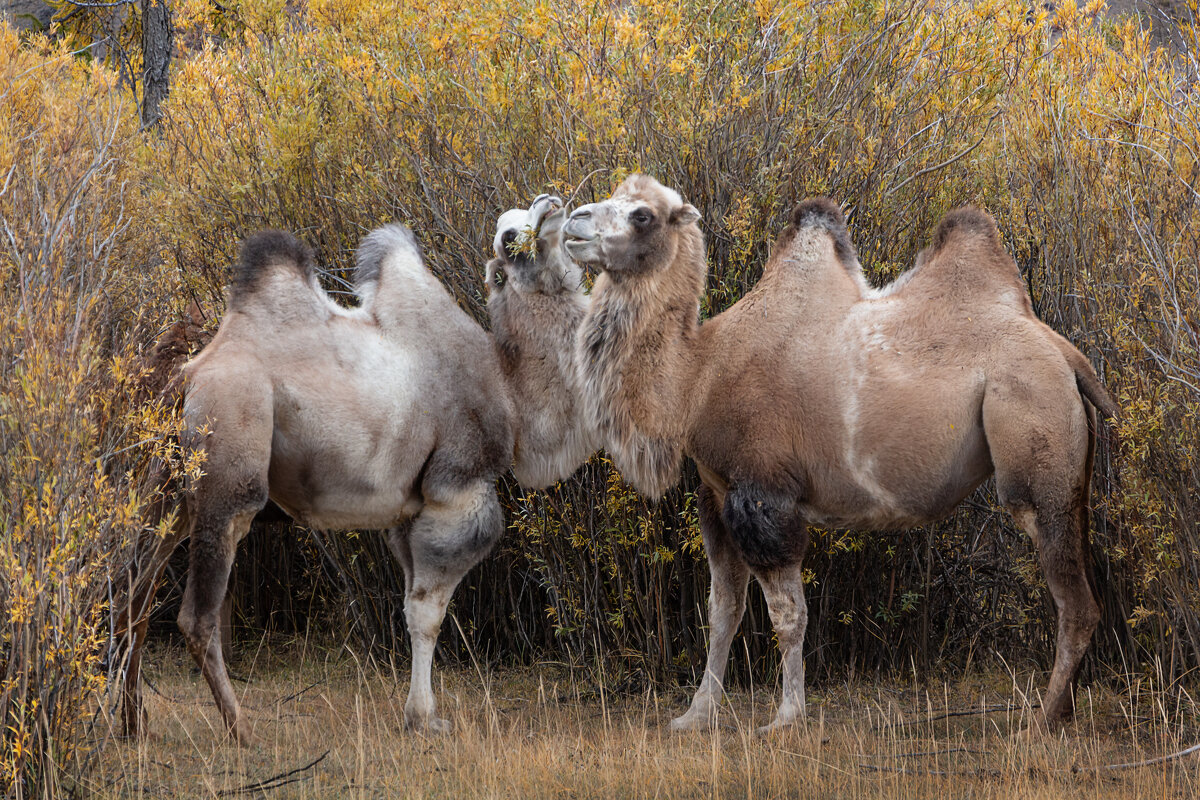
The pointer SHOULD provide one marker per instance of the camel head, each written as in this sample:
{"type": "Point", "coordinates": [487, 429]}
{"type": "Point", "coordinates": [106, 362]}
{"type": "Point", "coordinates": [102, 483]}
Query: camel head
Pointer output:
{"type": "Point", "coordinates": [635, 232]}
{"type": "Point", "coordinates": [529, 253]}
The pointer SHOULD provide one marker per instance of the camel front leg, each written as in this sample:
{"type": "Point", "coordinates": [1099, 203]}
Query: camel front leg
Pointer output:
{"type": "Point", "coordinates": [726, 606]}
{"type": "Point", "coordinates": [784, 590]}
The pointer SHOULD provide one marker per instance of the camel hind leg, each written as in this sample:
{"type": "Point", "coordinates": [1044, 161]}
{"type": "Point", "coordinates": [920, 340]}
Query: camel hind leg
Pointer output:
{"type": "Point", "coordinates": [452, 533]}
{"type": "Point", "coordinates": [134, 619]}
{"type": "Point", "coordinates": [1043, 476]}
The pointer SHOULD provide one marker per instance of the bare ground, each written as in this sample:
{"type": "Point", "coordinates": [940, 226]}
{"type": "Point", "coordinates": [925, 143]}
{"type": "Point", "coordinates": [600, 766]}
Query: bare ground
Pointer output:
{"type": "Point", "coordinates": [329, 727]}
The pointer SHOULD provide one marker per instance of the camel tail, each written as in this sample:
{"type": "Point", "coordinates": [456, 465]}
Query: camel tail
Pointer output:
{"type": "Point", "coordinates": [1088, 381]}
{"type": "Point", "coordinates": [389, 250]}
{"type": "Point", "coordinates": [266, 252]}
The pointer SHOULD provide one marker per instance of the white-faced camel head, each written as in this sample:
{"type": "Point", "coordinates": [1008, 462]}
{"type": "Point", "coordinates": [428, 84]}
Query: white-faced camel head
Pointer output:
{"type": "Point", "coordinates": [529, 252]}
{"type": "Point", "coordinates": [636, 232]}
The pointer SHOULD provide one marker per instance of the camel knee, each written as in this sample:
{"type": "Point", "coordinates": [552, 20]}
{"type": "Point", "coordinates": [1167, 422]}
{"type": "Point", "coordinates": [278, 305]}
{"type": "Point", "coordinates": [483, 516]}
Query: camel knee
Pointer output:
{"type": "Point", "coordinates": [766, 526]}
{"type": "Point", "coordinates": [424, 610]}
{"type": "Point", "coordinates": [197, 629]}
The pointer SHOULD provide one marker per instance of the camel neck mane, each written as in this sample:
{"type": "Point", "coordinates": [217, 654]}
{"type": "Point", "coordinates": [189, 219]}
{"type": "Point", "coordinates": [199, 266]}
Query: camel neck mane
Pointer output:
{"type": "Point", "coordinates": [638, 357]}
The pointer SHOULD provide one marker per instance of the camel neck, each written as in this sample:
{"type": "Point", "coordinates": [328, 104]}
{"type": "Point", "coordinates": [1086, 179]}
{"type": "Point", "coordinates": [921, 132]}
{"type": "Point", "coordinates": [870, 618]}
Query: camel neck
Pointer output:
{"type": "Point", "coordinates": [639, 358]}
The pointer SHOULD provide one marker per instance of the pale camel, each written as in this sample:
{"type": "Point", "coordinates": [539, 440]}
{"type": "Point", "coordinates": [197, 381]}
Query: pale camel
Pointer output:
{"type": "Point", "coordinates": [817, 401]}
{"type": "Point", "coordinates": [396, 415]}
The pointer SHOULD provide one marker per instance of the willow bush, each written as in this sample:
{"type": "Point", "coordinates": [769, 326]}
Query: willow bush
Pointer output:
{"type": "Point", "coordinates": [79, 294]}
{"type": "Point", "coordinates": [328, 118]}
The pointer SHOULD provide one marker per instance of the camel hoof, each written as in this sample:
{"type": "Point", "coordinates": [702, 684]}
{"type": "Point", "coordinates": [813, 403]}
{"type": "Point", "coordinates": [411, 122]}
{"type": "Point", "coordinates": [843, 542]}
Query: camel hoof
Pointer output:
{"type": "Point", "coordinates": [693, 722]}
{"type": "Point", "coordinates": [242, 733]}
{"type": "Point", "coordinates": [777, 725]}
{"type": "Point", "coordinates": [432, 726]}
{"type": "Point", "coordinates": [1038, 730]}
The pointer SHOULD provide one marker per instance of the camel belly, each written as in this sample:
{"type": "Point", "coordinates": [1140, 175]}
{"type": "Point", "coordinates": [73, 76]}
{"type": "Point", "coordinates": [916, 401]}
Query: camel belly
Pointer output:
{"type": "Point", "coordinates": [354, 478]}
{"type": "Point", "coordinates": [917, 470]}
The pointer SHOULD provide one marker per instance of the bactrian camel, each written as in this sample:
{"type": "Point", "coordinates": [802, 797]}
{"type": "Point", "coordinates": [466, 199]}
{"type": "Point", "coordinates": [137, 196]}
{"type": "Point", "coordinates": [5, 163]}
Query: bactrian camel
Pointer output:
{"type": "Point", "coordinates": [396, 415]}
{"type": "Point", "coordinates": [815, 400]}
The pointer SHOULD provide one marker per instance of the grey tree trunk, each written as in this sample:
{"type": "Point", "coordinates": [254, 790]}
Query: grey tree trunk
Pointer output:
{"type": "Point", "coordinates": [157, 40]}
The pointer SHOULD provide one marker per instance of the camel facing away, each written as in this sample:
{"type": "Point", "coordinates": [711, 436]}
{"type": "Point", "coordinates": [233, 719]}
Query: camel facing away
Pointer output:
{"type": "Point", "coordinates": [815, 400]}
{"type": "Point", "coordinates": [397, 415]}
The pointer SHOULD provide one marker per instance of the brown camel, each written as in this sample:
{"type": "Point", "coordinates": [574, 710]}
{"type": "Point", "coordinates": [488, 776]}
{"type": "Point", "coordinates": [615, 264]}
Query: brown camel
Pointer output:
{"type": "Point", "coordinates": [396, 415]}
{"type": "Point", "coordinates": [817, 401]}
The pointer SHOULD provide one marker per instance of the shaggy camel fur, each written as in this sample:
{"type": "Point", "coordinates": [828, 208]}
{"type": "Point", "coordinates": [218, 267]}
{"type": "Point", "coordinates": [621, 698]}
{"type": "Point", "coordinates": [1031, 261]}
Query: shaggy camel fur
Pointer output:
{"type": "Point", "coordinates": [396, 415]}
{"type": "Point", "coordinates": [532, 297]}
{"type": "Point", "coordinates": [816, 401]}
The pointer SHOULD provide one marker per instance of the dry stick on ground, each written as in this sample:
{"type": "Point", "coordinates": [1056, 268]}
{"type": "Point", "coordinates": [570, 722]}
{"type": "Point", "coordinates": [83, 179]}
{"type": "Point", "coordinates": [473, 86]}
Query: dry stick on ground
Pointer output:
{"type": "Point", "coordinates": [1135, 764]}
{"type": "Point", "coordinates": [922, 754]}
{"type": "Point", "coordinates": [274, 782]}
{"type": "Point", "coordinates": [296, 695]}
{"type": "Point", "coordinates": [1074, 770]}
{"type": "Point", "coordinates": [969, 713]}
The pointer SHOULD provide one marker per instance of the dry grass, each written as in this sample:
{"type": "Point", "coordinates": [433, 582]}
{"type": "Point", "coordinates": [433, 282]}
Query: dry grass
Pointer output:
{"type": "Point", "coordinates": [549, 732]}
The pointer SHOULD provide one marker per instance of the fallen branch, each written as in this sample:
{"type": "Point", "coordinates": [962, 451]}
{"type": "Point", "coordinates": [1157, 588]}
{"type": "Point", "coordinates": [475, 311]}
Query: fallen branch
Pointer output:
{"type": "Point", "coordinates": [276, 781]}
{"type": "Point", "coordinates": [922, 754]}
{"type": "Point", "coordinates": [1135, 764]}
{"type": "Point", "coordinates": [978, 772]}
{"type": "Point", "coordinates": [296, 695]}
{"type": "Point", "coordinates": [947, 715]}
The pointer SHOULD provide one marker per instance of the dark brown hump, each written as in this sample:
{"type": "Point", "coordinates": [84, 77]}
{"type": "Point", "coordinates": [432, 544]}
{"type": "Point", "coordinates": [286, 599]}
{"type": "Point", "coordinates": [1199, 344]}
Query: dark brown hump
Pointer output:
{"type": "Point", "coordinates": [966, 221]}
{"type": "Point", "coordinates": [266, 250]}
{"type": "Point", "coordinates": [821, 212]}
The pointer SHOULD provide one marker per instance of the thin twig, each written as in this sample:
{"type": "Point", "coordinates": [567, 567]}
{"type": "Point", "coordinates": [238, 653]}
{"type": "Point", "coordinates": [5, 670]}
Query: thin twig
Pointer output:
{"type": "Point", "coordinates": [295, 695]}
{"type": "Point", "coordinates": [949, 161]}
{"type": "Point", "coordinates": [581, 184]}
{"type": "Point", "coordinates": [971, 713]}
{"type": "Point", "coordinates": [995, 773]}
{"type": "Point", "coordinates": [1135, 764]}
{"type": "Point", "coordinates": [922, 754]}
{"type": "Point", "coordinates": [276, 781]}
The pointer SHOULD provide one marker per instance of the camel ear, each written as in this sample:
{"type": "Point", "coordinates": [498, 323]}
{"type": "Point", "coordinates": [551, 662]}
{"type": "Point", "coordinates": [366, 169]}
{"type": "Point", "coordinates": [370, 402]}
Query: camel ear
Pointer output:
{"type": "Point", "coordinates": [684, 214]}
{"type": "Point", "coordinates": [495, 277]}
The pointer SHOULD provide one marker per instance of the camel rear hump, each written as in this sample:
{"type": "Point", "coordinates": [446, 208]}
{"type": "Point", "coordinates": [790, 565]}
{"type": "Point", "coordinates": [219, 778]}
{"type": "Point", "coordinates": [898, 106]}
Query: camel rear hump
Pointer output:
{"type": "Point", "coordinates": [266, 255]}
{"type": "Point", "coordinates": [967, 258]}
{"type": "Point", "coordinates": [390, 251]}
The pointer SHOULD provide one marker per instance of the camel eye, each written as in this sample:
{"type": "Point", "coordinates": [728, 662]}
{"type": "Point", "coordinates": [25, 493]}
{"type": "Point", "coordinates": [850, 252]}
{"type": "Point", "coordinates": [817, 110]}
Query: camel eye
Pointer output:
{"type": "Point", "coordinates": [642, 217]}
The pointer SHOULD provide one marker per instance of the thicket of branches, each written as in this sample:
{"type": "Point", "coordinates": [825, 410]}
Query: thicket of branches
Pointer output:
{"type": "Point", "coordinates": [1080, 138]}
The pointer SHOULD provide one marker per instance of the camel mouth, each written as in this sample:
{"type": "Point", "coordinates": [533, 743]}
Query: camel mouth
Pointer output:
{"type": "Point", "coordinates": [581, 248]}
{"type": "Point", "coordinates": [547, 216]}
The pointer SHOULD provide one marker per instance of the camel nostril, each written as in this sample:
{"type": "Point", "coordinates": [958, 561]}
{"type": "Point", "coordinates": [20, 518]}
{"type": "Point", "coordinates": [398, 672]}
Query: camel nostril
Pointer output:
{"type": "Point", "coordinates": [581, 213]}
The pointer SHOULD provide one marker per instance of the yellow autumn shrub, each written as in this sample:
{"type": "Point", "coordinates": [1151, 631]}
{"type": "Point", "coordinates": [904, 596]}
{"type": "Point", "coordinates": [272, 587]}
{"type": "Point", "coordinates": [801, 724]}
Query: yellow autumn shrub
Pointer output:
{"type": "Point", "coordinates": [80, 294]}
